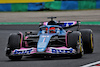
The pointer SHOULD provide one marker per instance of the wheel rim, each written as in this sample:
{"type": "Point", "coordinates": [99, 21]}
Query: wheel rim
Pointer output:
{"type": "Point", "coordinates": [92, 41]}
{"type": "Point", "coordinates": [81, 48]}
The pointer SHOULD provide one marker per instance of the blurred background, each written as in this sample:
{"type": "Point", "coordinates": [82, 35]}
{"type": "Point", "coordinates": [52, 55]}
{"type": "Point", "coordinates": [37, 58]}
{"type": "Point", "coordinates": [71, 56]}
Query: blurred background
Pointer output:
{"type": "Point", "coordinates": [38, 5]}
{"type": "Point", "coordinates": [38, 10]}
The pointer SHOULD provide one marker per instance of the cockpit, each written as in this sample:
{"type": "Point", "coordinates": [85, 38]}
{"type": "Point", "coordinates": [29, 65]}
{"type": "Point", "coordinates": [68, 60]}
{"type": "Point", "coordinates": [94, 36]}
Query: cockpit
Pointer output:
{"type": "Point", "coordinates": [49, 30]}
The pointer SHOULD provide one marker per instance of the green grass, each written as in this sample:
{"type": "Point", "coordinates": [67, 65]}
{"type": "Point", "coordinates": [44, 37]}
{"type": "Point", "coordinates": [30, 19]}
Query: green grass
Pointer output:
{"type": "Point", "coordinates": [28, 23]}
{"type": "Point", "coordinates": [91, 23]}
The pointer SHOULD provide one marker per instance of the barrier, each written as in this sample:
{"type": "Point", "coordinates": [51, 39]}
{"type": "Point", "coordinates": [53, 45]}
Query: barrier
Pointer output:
{"type": "Point", "coordinates": [84, 4]}
{"type": "Point", "coordinates": [98, 4]}
{"type": "Point", "coordinates": [19, 6]}
{"type": "Point", "coordinates": [5, 7]}
{"type": "Point", "coordinates": [69, 5]}
{"type": "Point", "coordinates": [55, 5]}
{"type": "Point", "coordinates": [35, 6]}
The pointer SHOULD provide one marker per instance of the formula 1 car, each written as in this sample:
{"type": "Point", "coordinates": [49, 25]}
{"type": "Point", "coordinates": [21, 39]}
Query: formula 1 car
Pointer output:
{"type": "Point", "coordinates": [53, 38]}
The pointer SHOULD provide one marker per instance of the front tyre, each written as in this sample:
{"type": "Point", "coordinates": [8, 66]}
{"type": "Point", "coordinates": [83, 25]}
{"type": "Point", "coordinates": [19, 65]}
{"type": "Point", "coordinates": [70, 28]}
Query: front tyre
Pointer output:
{"type": "Point", "coordinates": [13, 43]}
{"type": "Point", "coordinates": [75, 41]}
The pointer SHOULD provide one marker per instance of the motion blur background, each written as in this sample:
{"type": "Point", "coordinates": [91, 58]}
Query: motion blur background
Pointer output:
{"type": "Point", "coordinates": [38, 5]}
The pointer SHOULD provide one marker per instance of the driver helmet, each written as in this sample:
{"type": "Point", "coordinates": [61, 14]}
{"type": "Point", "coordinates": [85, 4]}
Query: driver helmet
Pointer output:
{"type": "Point", "coordinates": [51, 30]}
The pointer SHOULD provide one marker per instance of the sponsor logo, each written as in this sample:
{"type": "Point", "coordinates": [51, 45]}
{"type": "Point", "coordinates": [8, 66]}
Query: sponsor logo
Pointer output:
{"type": "Point", "coordinates": [23, 51]}
{"type": "Point", "coordinates": [67, 23]}
{"type": "Point", "coordinates": [62, 51]}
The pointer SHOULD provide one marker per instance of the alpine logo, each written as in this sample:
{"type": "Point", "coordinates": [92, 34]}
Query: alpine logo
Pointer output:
{"type": "Point", "coordinates": [23, 51]}
{"type": "Point", "coordinates": [58, 51]}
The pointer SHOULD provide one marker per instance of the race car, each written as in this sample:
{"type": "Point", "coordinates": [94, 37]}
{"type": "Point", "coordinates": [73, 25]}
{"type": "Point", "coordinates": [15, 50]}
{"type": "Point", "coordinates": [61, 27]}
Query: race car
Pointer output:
{"type": "Point", "coordinates": [54, 38]}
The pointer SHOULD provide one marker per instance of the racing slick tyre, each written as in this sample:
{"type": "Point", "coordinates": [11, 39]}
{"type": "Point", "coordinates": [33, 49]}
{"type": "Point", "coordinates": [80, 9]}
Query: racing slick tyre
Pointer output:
{"type": "Point", "coordinates": [75, 41]}
{"type": "Point", "coordinates": [87, 37]}
{"type": "Point", "coordinates": [14, 43]}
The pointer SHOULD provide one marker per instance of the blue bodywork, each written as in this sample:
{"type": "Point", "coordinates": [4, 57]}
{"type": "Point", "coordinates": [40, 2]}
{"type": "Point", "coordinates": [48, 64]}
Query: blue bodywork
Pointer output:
{"type": "Point", "coordinates": [44, 38]}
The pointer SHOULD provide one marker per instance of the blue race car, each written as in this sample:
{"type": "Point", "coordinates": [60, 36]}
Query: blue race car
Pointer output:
{"type": "Point", "coordinates": [53, 38]}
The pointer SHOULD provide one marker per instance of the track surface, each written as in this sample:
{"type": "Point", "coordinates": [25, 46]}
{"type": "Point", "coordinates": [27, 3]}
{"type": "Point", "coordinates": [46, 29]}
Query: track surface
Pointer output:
{"type": "Point", "coordinates": [53, 62]}
{"type": "Point", "coordinates": [85, 15]}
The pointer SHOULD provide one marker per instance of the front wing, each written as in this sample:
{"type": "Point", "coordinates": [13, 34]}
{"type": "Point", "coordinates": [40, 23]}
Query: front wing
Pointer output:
{"type": "Point", "coordinates": [49, 50]}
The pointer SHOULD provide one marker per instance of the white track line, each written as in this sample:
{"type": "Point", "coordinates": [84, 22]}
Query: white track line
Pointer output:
{"type": "Point", "coordinates": [88, 65]}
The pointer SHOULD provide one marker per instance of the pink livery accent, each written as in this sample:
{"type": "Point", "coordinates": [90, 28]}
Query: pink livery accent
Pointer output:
{"type": "Point", "coordinates": [21, 39]}
{"type": "Point", "coordinates": [23, 48]}
{"type": "Point", "coordinates": [66, 37]}
{"type": "Point", "coordinates": [45, 23]}
{"type": "Point", "coordinates": [34, 50]}
{"type": "Point", "coordinates": [62, 47]}
{"type": "Point", "coordinates": [48, 50]}
{"type": "Point", "coordinates": [26, 44]}
{"type": "Point", "coordinates": [29, 51]}
{"type": "Point", "coordinates": [75, 22]}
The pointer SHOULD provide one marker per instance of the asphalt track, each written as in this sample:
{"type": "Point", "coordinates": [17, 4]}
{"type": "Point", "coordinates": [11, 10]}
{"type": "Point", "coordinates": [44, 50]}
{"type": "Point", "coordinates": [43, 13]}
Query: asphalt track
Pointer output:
{"type": "Point", "coordinates": [39, 16]}
{"type": "Point", "coordinates": [41, 62]}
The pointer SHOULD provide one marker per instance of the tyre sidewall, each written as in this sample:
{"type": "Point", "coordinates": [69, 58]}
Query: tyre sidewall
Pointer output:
{"type": "Point", "coordinates": [87, 37]}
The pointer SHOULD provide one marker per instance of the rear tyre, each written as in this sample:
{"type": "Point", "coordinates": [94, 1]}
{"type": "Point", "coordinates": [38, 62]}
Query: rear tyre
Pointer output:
{"type": "Point", "coordinates": [87, 37]}
{"type": "Point", "coordinates": [14, 43]}
{"type": "Point", "coordinates": [74, 41]}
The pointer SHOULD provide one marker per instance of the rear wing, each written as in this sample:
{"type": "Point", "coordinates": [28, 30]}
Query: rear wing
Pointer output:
{"type": "Point", "coordinates": [64, 24]}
